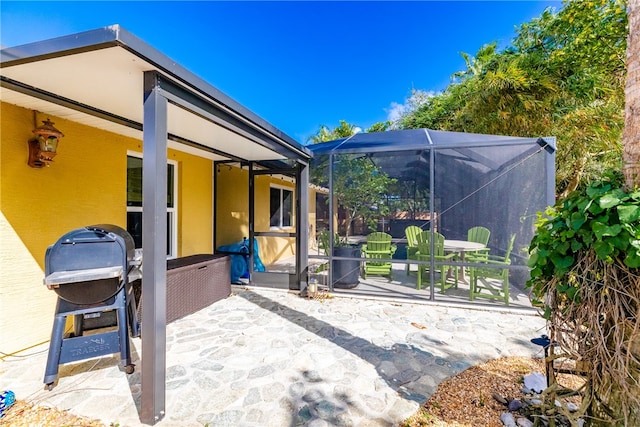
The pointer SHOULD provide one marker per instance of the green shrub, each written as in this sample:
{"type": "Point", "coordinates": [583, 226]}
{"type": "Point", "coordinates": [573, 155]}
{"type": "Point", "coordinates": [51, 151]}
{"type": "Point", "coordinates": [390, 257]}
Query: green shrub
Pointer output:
{"type": "Point", "coordinates": [602, 218]}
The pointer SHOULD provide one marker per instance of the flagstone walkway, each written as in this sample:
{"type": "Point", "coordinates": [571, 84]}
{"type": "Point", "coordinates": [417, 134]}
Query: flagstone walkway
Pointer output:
{"type": "Point", "coordinates": [265, 357]}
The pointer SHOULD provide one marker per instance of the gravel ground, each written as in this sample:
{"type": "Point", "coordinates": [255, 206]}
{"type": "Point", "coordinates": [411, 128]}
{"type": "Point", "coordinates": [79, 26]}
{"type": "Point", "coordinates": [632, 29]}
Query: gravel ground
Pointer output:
{"type": "Point", "coordinates": [23, 414]}
{"type": "Point", "coordinates": [464, 400]}
{"type": "Point", "coordinates": [467, 399]}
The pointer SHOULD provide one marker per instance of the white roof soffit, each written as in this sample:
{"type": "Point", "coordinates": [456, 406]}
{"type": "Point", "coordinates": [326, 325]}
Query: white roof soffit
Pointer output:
{"type": "Point", "coordinates": [96, 78]}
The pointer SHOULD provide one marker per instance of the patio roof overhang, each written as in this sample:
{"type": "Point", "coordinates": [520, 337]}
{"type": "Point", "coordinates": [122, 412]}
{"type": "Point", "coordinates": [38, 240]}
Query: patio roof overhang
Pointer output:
{"type": "Point", "coordinates": [96, 78]}
{"type": "Point", "coordinates": [111, 80]}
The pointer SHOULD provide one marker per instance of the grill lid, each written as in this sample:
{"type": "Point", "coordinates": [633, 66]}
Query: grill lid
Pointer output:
{"type": "Point", "coordinates": [89, 265]}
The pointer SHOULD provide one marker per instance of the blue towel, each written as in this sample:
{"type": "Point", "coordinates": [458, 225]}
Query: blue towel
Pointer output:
{"type": "Point", "coordinates": [257, 263]}
{"type": "Point", "coordinates": [240, 263]}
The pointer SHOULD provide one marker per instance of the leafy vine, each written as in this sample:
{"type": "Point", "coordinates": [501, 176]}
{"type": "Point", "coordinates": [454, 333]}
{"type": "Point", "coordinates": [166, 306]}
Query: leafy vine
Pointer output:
{"type": "Point", "coordinates": [585, 259]}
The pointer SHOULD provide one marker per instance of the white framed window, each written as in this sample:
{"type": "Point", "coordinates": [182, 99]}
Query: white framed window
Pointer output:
{"type": "Point", "coordinates": [134, 202]}
{"type": "Point", "coordinates": [281, 207]}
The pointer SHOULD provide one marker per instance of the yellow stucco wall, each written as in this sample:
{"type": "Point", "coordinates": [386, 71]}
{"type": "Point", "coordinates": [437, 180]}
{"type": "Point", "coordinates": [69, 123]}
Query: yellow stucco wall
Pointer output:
{"type": "Point", "coordinates": [85, 185]}
{"type": "Point", "coordinates": [233, 212]}
{"type": "Point", "coordinates": [272, 248]}
{"type": "Point", "coordinates": [232, 205]}
{"type": "Point", "coordinates": [195, 203]}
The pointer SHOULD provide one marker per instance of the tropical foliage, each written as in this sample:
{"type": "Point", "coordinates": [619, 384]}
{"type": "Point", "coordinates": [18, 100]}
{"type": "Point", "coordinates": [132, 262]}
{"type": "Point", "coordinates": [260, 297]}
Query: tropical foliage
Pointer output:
{"type": "Point", "coordinates": [562, 76]}
{"type": "Point", "coordinates": [359, 186]}
{"type": "Point", "coordinates": [586, 251]}
{"type": "Point", "coordinates": [603, 218]}
{"type": "Point", "coordinates": [584, 259]}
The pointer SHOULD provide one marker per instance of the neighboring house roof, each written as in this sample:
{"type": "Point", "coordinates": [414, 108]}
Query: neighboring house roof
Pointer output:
{"type": "Point", "coordinates": [95, 78]}
{"type": "Point", "coordinates": [319, 189]}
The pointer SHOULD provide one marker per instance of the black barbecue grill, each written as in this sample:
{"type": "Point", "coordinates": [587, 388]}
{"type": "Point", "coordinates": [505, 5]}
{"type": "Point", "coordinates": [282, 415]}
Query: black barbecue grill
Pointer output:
{"type": "Point", "coordinates": [90, 268]}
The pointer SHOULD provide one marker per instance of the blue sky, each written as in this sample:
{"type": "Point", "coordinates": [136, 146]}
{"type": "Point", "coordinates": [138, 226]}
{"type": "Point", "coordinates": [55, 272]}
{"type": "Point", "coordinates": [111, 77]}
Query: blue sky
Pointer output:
{"type": "Point", "coordinates": [296, 64]}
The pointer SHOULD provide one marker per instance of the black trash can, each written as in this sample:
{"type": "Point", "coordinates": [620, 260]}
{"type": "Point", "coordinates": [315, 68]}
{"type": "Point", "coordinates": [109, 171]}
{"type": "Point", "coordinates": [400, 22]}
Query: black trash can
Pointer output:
{"type": "Point", "coordinates": [346, 273]}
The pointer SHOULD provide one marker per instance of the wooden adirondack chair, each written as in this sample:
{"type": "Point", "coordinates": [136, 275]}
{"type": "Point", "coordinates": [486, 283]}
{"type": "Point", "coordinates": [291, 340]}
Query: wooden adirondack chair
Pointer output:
{"type": "Point", "coordinates": [424, 254]}
{"type": "Point", "coordinates": [479, 235]}
{"type": "Point", "coordinates": [411, 233]}
{"type": "Point", "coordinates": [378, 246]}
{"type": "Point", "coordinates": [494, 267]}
{"type": "Point", "coordinates": [323, 243]}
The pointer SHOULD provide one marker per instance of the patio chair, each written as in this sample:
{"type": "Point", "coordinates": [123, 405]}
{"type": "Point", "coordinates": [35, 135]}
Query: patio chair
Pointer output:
{"type": "Point", "coordinates": [494, 267]}
{"type": "Point", "coordinates": [424, 254]}
{"type": "Point", "coordinates": [378, 246]}
{"type": "Point", "coordinates": [479, 234]}
{"type": "Point", "coordinates": [323, 242]}
{"type": "Point", "coordinates": [411, 233]}
{"type": "Point", "coordinates": [324, 245]}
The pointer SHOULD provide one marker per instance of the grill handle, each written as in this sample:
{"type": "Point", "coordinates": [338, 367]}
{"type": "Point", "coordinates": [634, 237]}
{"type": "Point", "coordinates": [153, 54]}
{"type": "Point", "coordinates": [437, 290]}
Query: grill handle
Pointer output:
{"type": "Point", "coordinates": [97, 239]}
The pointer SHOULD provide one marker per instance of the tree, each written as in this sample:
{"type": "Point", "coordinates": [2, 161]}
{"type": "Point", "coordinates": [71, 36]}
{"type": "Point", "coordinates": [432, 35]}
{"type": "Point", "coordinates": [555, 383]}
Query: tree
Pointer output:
{"type": "Point", "coordinates": [631, 136]}
{"type": "Point", "coordinates": [324, 134]}
{"type": "Point", "coordinates": [475, 65]}
{"type": "Point", "coordinates": [619, 398]}
{"type": "Point", "coordinates": [585, 258]}
{"type": "Point", "coordinates": [359, 186]}
{"type": "Point", "coordinates": [563, 75]}
{"type": "Point", "coordinates": [380, 127]}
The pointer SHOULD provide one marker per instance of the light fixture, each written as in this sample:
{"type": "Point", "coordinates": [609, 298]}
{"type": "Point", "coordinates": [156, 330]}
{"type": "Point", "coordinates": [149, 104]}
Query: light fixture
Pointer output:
{"type": "Point", "coordinates": [42, 148]}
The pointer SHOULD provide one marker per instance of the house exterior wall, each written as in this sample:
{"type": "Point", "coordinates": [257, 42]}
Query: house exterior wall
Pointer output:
{"type": "Point", "coordinates": [233, 212]}
{"type": "Point", "coordinates": [86, 184]}
{"type": "Point", "coordinates": [195, 203]}
{"type": "Point", "coordinates": [272, 249]}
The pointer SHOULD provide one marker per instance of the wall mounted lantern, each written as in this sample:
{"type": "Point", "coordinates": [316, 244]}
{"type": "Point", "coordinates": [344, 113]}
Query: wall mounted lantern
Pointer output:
{"type": "Point", "coordinates": [42, 148]}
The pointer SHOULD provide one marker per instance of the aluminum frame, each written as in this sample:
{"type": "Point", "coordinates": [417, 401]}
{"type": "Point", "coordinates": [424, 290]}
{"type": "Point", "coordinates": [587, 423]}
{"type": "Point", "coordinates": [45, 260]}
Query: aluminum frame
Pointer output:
{"type": "Point", "coordinates": [421, 139]}
{"type": "Point", "coordinates": [166, 84]}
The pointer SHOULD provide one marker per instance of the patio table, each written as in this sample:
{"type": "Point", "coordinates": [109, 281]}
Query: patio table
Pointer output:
{"type": "Point", "coordinates": [462, 246]}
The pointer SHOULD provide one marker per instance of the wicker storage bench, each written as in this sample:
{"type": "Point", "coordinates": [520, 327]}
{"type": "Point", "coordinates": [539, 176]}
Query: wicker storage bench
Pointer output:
{"type": "Point", "coordinates": [195, 282]}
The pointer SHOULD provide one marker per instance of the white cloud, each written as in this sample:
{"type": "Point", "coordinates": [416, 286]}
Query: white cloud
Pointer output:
{"type": "Point", "coordinates": [395, 111]}
{"type": "Point", "coordinates": [418, 97]}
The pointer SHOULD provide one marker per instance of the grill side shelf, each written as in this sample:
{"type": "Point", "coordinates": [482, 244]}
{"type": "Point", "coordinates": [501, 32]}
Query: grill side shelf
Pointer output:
{"type": "Point", "coordinates": [73, 276]}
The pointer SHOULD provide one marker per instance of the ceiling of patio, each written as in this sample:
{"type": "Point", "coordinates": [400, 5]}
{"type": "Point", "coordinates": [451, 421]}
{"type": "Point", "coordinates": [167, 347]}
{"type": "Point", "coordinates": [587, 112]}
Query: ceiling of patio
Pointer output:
{"type": "Point", "coordinates": [97, 79]}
